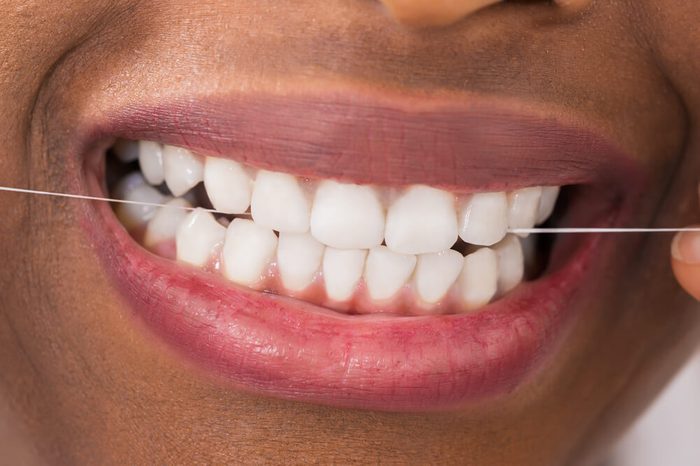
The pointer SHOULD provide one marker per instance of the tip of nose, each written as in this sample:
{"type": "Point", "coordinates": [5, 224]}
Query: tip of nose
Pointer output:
{"type": "Point", "coordinates": [433, 13]}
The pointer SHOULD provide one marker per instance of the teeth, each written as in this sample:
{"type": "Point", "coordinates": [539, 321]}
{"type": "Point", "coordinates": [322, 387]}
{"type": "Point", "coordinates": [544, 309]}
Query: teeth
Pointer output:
{"type": "Point", "coordinates": [511, 266]}
{"type": "Point", "coordinates": [126, 151]}
{"type": "Point", "coordinates": [484, 219]}
{"type": "Point", "coordinates": [386, 272]}
{"type": "Point", "coordinates": [299, 257]}
{"type": "Point", "coordinates": [279, 203]}
{"type": "Point", "coordinates": [163, 226]}
{"type": "Point", "coordinates": [479, 279]}
{"type": "Point", "coordinates": [151, 162]}
{"type": "Point", "coordinates": [134, 188]}
{"type": "Point", "coordinates": [547, 203]}
{"type": "Point", "coordinates": [436, 273]}
{"type": "Point", "coordinates": [524, 204]}
{"type": "Point", "coordinates": [198, 237]}
{"type": "Point", "coordinates": [342, 270]}
{"type": "Point", "coordinates": [228, 185]}
{"type": "Point", "coordinates": [421, 221]}
{"type": "Point", "coordinates": [183, 170]}
{"type": "Point", "coordinates": [248, 251]}
{"type": "Point", "coordinates": [347, 216]}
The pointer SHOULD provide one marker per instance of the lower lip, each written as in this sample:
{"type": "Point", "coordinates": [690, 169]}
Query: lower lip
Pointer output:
{"type": "Point", "coordinates": [278, 346]}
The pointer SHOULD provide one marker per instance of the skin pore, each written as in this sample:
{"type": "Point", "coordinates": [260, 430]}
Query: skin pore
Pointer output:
{"type": "Point", "coordinates": [82, 383]}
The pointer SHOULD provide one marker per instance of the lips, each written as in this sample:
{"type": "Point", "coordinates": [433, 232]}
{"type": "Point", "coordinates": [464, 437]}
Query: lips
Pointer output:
{"type": "Point", "coordinates": [284, 347]}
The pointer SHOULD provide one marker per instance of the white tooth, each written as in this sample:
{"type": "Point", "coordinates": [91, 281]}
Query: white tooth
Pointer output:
{"type": "Point", "coordinates": [299, 257]}
{"type": "Point", "coordinates": [387, 271]}
{"type": "Point", "coordinates": [347, 216]}
{"type": "Point", "coordinates": [342, 270]}
{"type": "Point", "coordinates": [279, 203]}
{"type": "Point", "coordinates": [151, 161]}
{"type": "Point", "coordinates": [183, 170]}
{"type": "Point", "coordinates": [483, 218]}
{"type": "Point", "coordinates": [547, 203]}
{"type": "Point", "coordinates": [228, 185]}
{"type": "Point", "coordinates": [478, 281]}
{"type": "Point", "coordinates": [134, 188]}
{"type": "Point", "coordinates": [436, 273]}
{"type": "Point", "coordinates": [126, 151]}
{"type": "Point", "coordinates": [198, 237]}
{"type": "Point", "coordinates": [164, 224]}
{"type": "Point", "coordinates": [248, 251]}
{"type": "Point", "coordinates": [523, 207]}
{"type": "Point", "coordinates": [423, 220]}
{"type": "Point", "coordinates": [510, 263]}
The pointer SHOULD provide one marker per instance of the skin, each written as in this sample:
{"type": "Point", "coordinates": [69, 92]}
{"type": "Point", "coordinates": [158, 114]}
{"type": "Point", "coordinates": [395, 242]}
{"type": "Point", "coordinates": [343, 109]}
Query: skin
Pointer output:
{"type": "Point", "coordinates": [82, 383]}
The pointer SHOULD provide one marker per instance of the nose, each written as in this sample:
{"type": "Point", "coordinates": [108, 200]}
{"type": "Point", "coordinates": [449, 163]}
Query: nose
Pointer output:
{"type": "Point", "coordinates": [425, 13]}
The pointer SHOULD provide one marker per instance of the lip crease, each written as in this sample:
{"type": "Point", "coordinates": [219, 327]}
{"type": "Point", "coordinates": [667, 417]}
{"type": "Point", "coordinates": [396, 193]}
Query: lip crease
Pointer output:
{"type": "Point", "coordinates": [286, 348]}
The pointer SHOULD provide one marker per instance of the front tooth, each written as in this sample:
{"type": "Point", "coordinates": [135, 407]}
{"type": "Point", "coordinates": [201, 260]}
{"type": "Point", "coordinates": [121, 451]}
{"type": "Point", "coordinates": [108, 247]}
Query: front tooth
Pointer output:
{"type": "Point", "coordinates": [347, 216]}
{"type": "Point", "coordinates": [436, 273]}
{"type": "Point", "coordinates": [547, 203]}
{"type": "Point", "coordinates": [484, 219]}
{"type": "Point", "coordinates": [421, 221]}
{"type": "Point", "coordinates": [511, 266]}
{"type": "Point", "coordinates": [387, 271]}
{"type": "Point", "coordinates": [478, 281]}
{"type": "Point", "coordinates": [198, 237]}
{"type": "Point", "coordinates": [126, 150]}
{"type": "Point", "coordinates": [134, 188]}
{"type": "Point", "coordinates": [228, 185]}
{"type": "Point", "coordinates": [248, 251]}
{"type": "Point", "coordinates": [279, 203]}
{"type": "Point", "coordinates": [183, 170]}
{"type": "Point", "coordinates": [523, 207]}
{"type": "Point", "coordinates": [164, 224]}
{"type": "Point", "coordinates": [299, 257]}
{"type": "Point", "coordinates": [342, 270]}
{"type": "Point", "coordinates": [151, 161]}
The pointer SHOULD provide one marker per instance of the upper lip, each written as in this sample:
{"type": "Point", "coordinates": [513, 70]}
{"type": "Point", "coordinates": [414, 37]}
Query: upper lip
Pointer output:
{"type": "Point", "coordinates": [294, 350]}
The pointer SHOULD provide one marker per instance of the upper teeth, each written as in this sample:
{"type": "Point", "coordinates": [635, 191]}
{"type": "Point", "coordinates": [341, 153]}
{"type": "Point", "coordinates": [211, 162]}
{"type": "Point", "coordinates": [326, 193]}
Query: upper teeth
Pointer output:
{"type": "Point", "coordinates": [349, 239]}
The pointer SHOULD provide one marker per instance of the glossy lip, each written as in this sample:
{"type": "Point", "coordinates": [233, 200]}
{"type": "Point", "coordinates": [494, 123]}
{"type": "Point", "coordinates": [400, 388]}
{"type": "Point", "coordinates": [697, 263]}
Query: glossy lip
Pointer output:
{"type": "Point", "coordinates": [286, 348]}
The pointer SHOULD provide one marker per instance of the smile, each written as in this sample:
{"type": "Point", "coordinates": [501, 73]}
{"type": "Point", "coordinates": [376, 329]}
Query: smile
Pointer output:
{"type": "Point", "coordinates": [397, 291]}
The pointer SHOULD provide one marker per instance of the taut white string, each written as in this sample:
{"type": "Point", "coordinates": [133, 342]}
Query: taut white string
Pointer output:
{"type": "Point", "coordinates": [513, 230]}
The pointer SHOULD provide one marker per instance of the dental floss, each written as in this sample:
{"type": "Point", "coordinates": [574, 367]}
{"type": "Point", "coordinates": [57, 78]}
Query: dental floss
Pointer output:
{"type": "Point", "coordinates": [526, 231]}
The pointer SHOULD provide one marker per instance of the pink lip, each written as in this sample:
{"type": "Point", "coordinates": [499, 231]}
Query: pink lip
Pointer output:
{"type": "Point", "coordinates": [290, 349]}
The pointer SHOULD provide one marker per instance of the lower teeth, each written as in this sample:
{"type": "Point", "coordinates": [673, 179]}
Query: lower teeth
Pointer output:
{"type": "Point", "coordinates": [356, 249]}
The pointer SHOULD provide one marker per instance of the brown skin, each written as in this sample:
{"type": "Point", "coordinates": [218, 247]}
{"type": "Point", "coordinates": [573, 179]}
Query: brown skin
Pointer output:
{"type": "Point", "coordinates": [81, 383]}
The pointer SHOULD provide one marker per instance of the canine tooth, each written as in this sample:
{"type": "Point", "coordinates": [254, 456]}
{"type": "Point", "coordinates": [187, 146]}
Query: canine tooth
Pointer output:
{"type": "Point", "coordinates": [511, 266]}
{"type": "Point", "coordinates": [133, 187]}
{"type": "Point", "coordinates": [347, 216]}
{"type": "Point", "coordinates": [387, 271]}
{"type": "Point", "coordinates": [248, 250]}
{"type": "Point", "coordinates": [436, 273]}
{"type": "Point", "coordinates": [523, 207]}
{"type": "Point", "coordinates": [279, 203]}
{"type": "Point", "coordinates": [483, 218]}
{"type": "Point", "coordinates": [197, 238]}
{"type": "Point", "coordinates": [423, 220]}
{"type": "Point", "coordinates": [228, 185]}
{"type": "Point", "coordinates": [151, 161]}
{"type": "Point", "coordinates": [164, 224]}
{"type": "Point", "coordinates": [183, 170]}
{"type": "Point", "coordinates": [478, 281]}
{"type": "Point", "coordinates": [342, 270]}
{"type": "Point", "coordinates": [547, 203]}
{"type": "Point", "coordinates": [126, 150]}
{"type": "Point", "coordinates": [299, 257]}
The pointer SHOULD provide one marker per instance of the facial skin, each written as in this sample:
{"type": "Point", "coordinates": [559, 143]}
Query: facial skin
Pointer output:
{"type": "Point", "coordinates": [82, 383]}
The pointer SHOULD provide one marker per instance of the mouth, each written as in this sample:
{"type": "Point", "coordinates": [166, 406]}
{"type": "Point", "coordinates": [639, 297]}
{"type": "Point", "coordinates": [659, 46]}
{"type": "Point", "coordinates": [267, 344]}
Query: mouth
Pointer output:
{"type": "Point", "coordinates": [373, 266]}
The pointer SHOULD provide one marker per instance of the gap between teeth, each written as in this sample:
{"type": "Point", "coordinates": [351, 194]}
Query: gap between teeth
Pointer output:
{"type": "Point", "coordinates": [345, 246]}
